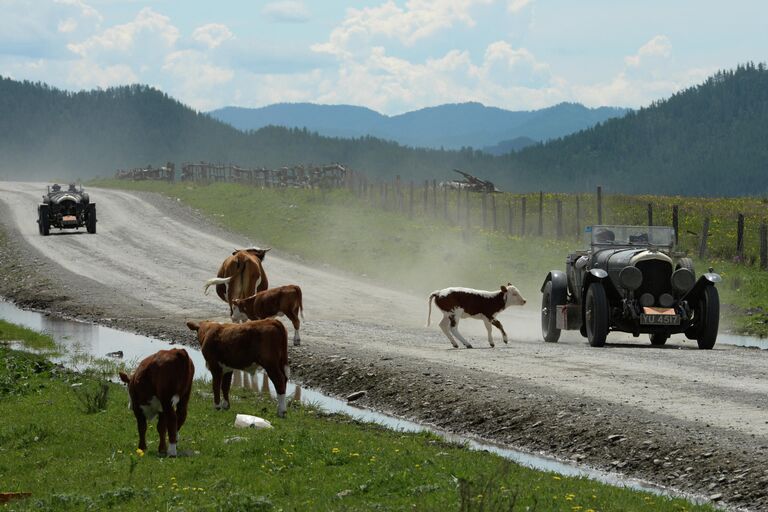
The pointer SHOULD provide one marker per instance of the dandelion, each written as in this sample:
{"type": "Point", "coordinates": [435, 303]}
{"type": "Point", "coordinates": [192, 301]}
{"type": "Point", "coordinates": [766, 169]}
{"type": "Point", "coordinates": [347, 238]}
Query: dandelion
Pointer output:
{"type": "Point", "coordinates": [556, 478]}
{"type": "Point", "coordinates": [335, 450]}
{"type": "Point", "coordinates": [139, 452]}
{"type": "Point", "coordinates": [354, 454]}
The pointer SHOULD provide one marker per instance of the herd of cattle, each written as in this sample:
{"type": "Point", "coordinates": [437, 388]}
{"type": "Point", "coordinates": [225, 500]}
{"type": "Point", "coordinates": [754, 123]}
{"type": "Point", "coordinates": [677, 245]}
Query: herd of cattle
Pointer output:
{"type": "Point", "coordinates": [161, 384]}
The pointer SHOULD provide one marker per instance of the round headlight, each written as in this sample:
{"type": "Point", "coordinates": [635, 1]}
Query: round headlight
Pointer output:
{"type": "Point", "coordinates": [631, 278]}
{"type": "Point", "coordinates": [666, 300]}
{"type": "Point", "coordinates": [683, 280]}
{"type": "Point", "coordinates": [646, 300]}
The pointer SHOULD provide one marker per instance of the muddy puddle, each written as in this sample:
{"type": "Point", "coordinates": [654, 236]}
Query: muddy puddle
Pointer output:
{"type": "Point", "coordinates": [86, 339]}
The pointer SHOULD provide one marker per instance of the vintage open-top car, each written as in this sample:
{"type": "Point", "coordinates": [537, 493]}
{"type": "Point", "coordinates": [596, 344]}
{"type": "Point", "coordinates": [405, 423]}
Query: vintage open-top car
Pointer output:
{"type": "Point", "coordinates": [69, 208]}
{"type": "Point", "coordinates": [630, 280]}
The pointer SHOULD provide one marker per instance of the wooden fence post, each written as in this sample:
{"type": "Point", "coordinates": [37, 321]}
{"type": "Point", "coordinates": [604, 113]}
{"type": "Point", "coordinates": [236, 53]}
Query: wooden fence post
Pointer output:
{"type": "Point", "coordinates": [703, 241]}
{"type": "Point", "coordinates": [398, 195]}
{"type": "Point", "coordinates": [578, 217]}
{"type": "Point", "coordinates": [410, 201]}
{"type": "Point", "coordinates": [541, 213]}
{"type": "Point", "coordinates": [740, 238]}
{"type": "Point", "coordinates": [466, 201]}
{"type": "Point", "coordinates": [650, 214]}
{"type": "Point", "coordinates": [510, 219]}
{"type": "Point", "coordinates": [445, 203]}
{"type": "Point", "coordinates": [434, 197]}
{"type": "Point", "coordinates": [484, 207]}
{"type": "Point", "coordinates": [559, 219]}
{"type": "Point", "coordinates": [675, 223]}
{"type": "Point", "coordinates": [493, 211]}
{"type": "Point", "coordinates": [599, 205]}
{"type": "Point", "coordinates": [458, 207]}
{"type": "Point", "coordinates": [522, 218]}
{"type": "Point", "coordinates": [763, 246]}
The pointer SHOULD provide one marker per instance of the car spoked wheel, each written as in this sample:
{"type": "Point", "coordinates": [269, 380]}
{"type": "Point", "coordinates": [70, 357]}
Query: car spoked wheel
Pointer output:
{"type": "Point", "coordinates": [549, 329]}
{"type": "Point", "coordinates": [708, 318]}
{"type": "Point", "coordinates": [596, 315]}
{"type": "Point", "coordinates": [659, 338]}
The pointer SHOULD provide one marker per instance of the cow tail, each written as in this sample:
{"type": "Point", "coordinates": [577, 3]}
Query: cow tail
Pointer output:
{"type": "Point", "coordinates": [215, 281]}
{"type": "Point", "coordinates": [429, 316]}
{"type": "Point", "coordinates": [301, 304]}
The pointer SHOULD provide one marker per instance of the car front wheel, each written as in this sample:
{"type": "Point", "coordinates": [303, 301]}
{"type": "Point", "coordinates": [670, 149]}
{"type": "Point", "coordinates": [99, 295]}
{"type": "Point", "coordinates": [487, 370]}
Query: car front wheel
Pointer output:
{"type": "Point", "coordinates": [549, 329]}
{"type": "Point", "coordinates": [708, 312]}
{"type": "Point", "coordinates": [596, 315]}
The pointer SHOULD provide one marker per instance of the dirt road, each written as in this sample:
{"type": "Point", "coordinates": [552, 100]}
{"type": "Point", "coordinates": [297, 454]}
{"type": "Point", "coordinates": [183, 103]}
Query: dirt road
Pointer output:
{"type": "Point", "coordinates": [693, 420]}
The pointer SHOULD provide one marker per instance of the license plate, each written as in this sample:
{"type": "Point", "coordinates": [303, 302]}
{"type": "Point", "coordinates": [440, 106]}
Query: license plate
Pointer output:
{"type": "Point", "coordinates": [660, 319]}
{"type": "Point", "coordinates": [659, 316]}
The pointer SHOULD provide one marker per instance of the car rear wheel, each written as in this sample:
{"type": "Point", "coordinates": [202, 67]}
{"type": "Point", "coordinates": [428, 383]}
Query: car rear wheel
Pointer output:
{"type": "Point", "coordinates": [549, 329]}
{"type": "Point", "coordinates": [708, 313]}
{"type": "Point", "coordinates": [659, 338]}
{"type": "Point", "coordinates": [90, 221]}
{"type": "Point", "coordinates": [596, 315]}
{"type": "Point", "coordinates": [42, 219]}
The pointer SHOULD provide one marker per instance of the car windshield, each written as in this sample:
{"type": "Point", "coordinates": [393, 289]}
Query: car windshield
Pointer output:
{"type": "Point", "coordinates": [656, 236]}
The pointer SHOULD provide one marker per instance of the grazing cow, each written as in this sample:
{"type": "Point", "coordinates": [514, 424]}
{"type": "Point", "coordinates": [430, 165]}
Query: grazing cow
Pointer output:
{"type": "Point", "coordinates": [240, 275]}
{"type": "Point", "coordinates": [246, 346]}
{"type": "Point", "coordinates": [161, 382]}
{"type": "Point", "coordinates": [458, 303]}
{"type": "Point", "coordinates": [283, 300]}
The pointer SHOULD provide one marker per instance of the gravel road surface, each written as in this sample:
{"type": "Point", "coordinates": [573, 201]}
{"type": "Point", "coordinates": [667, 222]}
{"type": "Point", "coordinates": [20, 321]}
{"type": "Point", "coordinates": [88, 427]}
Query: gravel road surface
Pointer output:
{"type": "Point", "coordinates": [695, 421]}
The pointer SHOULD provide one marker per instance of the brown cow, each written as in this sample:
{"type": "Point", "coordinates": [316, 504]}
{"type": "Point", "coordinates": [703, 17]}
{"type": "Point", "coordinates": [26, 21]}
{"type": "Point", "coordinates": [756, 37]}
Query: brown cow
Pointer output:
{"type": "Point", "coordinates": [240, 275]}
{"type": "Point", "coordinates": [246, 346]}
{"type": "Point", "coordinates": [161, 382]}
{"type": "Point", "coordinates": [283, 300]}
{"type": "Point", "coordinates": [457, 303]}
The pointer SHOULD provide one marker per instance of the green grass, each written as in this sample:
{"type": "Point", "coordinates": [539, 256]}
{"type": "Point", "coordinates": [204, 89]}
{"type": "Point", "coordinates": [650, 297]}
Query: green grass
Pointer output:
{"type": "Point", "coordinates": [426, 252]}
{"type": "Point", "coordinates": [12, 333]}
{"type": "Point", "coordinates": [72, 460]}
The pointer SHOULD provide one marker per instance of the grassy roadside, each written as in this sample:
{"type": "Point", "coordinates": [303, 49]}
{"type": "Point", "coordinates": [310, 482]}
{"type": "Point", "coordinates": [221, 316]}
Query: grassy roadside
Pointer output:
{"type": "Point", "coordinates": [69, 459]}
{"type": "Point", "coordinates": [423, 254]}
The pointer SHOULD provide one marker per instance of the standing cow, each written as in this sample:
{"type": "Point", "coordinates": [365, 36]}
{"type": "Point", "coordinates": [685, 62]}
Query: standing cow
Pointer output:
{"type": "Point", "coordinates": [246, 346]}
{"type": "Point", "coordinates": [240, 275]}
{"type": "Point", "coordinates": [282, 300]}
{"type": "Point", "coordinates": [458, 303]}
{"type": "Point", "coordinates": [162, 382]}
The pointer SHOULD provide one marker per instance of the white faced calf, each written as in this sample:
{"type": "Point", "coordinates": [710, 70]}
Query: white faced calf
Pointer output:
{"type": "Point", "coordinates": [458, 303]}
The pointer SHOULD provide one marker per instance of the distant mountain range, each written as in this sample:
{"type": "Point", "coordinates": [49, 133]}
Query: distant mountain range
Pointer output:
{"type": "Point", "coordinates": [450, 126]}
{"type": "Point", "coordinates": [707, 140]}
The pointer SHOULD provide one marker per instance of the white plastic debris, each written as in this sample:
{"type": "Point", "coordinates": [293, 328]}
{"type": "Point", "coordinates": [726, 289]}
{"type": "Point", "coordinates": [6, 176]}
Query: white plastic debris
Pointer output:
{"type": "Point", "coordinates": [248, 421]}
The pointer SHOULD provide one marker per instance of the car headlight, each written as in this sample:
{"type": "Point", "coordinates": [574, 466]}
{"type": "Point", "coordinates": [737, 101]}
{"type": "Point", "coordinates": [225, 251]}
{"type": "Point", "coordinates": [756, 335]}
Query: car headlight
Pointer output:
{"type": "Point", "coordinates": [647, 300]}
{"type": "Point", "coordinates": [631, 278]}
{"type": "Point", "coordinates": [683, 280]}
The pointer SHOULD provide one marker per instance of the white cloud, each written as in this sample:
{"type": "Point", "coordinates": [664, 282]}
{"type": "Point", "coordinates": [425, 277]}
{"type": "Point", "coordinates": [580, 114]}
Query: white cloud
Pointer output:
{"type": "Point", "coordinates": [86, 74]}
{"type": "Point", "coordinates": [67, 25]}
{"type": "Point", "coordinates": [515, 6]}
{"type": "Point", "coordinates": [122, 38]}
{"type": "Point", "coordinates": [212, 34]}
{"type": "Point", "coordinates": [419, 19]}
{"type": "Point", "coordinates": [659, 46]}
{"type": "Point", "coordinates": [287, 12]}
{"type": "Point", "coordinates": [196, 77]}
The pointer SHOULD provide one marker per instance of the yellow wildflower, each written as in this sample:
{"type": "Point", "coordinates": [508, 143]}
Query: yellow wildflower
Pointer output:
{"type": "Point", "coordinates": [139, 452]}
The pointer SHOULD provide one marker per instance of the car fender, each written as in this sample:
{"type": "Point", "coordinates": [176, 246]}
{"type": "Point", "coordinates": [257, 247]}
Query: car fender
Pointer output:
{"type": "Point", "coordinates": [558, 279]}
{"type": "Point", "coordinates": [695, 293]}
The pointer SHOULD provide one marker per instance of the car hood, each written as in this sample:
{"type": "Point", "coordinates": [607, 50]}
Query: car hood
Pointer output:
{"type": "Point", "coordinates": [619, 258]}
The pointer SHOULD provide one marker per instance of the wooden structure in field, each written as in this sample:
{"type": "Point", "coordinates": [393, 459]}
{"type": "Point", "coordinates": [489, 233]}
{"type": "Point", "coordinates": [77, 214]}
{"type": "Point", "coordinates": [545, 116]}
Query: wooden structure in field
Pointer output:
{"type": "Point", "coordinates": [165, 173]}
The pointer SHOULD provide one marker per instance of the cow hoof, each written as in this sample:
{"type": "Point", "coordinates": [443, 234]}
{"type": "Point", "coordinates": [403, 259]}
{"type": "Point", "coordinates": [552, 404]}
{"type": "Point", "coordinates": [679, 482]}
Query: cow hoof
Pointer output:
{"type": "Point", "coordinates": [469, 346]}
{"type": "Point", "coordinates": [296, 343]}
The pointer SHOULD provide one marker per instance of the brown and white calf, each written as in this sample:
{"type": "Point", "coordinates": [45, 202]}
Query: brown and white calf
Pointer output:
{"type": "Point", "coordinates": [458, 303]}
{"type": "Point", "coordinates": [246, 346]}
{"type": "Point", "coordinates": [283, 300]}
{"type": "Point", "coordinates": [160, 386]}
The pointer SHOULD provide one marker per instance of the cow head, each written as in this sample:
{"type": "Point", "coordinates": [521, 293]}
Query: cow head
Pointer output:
{"type": "Point", "coordinates": [256, 251]}
{"type": "Point", "coordinates": [512, 296]}
{"type": "Point", "coordinates": [238, 311]}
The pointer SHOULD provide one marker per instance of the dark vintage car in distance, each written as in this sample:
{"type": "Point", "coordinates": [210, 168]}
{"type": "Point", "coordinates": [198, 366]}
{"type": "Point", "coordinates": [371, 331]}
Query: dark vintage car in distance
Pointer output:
{"type": "Point", "coordinates": [66, 209]}
{"type": "Point", "coordinates": [630, 279]}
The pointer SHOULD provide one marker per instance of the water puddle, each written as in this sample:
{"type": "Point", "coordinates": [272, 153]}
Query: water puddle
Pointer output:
{"type": "Point", "coordinates": [81, 338]}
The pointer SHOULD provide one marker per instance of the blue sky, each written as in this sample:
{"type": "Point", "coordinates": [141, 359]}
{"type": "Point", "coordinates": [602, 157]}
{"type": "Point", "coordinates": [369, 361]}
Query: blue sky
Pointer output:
{"type": "Point", "coordinates": [391, 56]}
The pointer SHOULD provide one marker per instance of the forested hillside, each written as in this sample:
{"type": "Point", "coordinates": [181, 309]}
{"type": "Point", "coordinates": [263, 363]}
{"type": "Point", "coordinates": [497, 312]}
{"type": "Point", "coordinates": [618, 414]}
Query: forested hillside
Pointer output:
{"type": "Point", "coordinates": [449, 126]}
{"type": "Point", "coordinates": [707, 140]}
